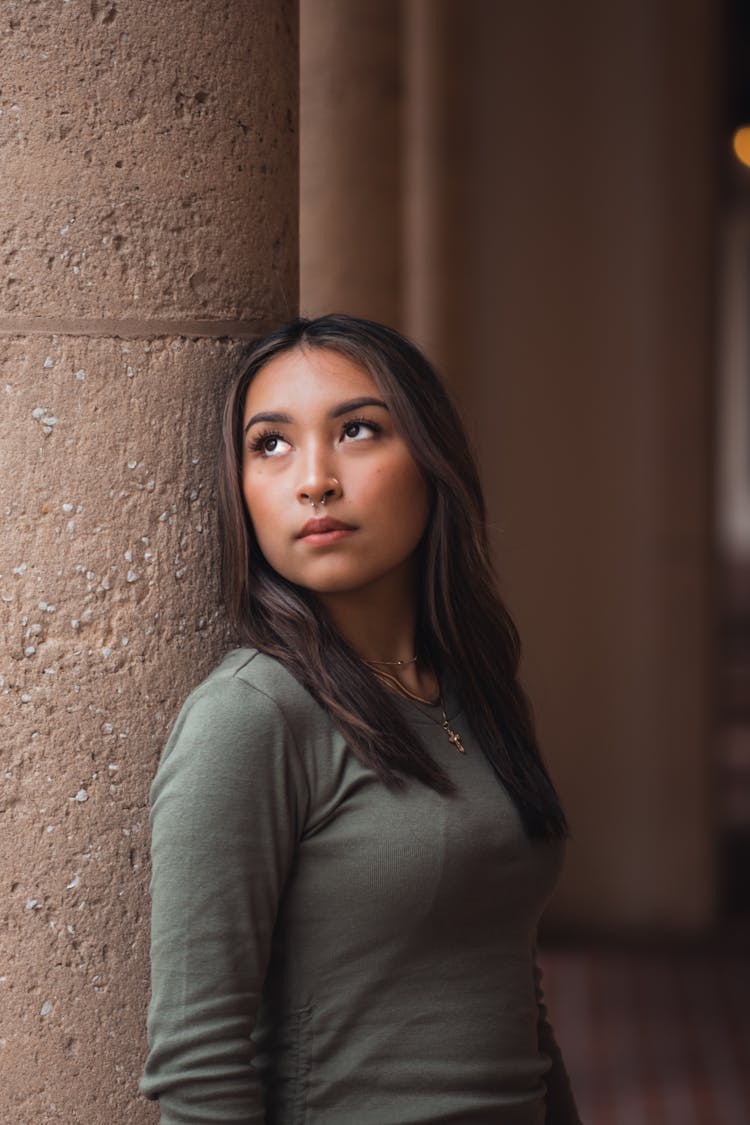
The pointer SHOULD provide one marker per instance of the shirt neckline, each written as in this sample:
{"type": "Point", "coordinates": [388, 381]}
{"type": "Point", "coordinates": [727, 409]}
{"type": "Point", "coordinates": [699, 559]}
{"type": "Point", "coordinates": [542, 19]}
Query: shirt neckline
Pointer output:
{"type": "Point", "coordinates": [425, 715]}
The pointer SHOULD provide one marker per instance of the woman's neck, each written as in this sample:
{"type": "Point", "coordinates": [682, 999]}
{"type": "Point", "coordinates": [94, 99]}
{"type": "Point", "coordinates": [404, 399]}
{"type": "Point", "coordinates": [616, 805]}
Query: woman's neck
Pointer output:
{"type": "Point", "coordinates": [379, 623]}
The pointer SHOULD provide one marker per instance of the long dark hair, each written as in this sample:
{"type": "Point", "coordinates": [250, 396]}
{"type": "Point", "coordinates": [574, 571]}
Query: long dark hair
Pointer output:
{"type": "Point", "coordinates": [462, 624]}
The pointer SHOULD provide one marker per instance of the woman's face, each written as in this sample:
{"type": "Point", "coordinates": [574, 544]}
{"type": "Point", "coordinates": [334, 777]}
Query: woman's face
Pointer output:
{"type": "Point", "coordinates": [315, 424]}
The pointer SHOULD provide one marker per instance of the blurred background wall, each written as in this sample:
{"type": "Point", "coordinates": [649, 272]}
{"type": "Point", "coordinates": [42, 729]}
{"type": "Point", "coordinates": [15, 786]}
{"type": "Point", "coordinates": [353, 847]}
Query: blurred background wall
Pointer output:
{"type": "Point", "coordinates": [544, 196]}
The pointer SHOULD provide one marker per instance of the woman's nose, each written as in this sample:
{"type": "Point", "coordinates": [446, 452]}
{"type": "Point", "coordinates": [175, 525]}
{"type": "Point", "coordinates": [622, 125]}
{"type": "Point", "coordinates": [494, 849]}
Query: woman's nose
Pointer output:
{"type": "Point", "coordinates": [318, 484]}
{"type": "Point", "coordinates": [320, 492]}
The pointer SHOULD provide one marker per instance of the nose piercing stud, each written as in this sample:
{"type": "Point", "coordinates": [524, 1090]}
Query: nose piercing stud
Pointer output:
{"type": "Point", "coordinates": [314, 503]}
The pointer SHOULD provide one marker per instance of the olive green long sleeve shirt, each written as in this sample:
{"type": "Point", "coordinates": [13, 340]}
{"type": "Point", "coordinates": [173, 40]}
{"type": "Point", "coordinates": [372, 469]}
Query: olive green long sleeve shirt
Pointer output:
{"type": "Point", "coordinates": [326, 951]}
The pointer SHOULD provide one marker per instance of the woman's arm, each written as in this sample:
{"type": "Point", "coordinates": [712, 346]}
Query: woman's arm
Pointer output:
{"type": "Point", "coordinates": [227, 809]}
{"type": "Point", "coordinates": [561, 1106]}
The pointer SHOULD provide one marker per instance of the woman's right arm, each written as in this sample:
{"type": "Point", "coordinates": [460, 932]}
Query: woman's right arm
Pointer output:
{"type": "Point", "coordinates": [227, 810]}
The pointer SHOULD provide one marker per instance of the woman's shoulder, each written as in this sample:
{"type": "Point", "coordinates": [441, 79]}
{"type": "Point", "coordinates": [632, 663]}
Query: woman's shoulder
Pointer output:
{"type": "Point", "coordinates": [231, 738]}
{"type": "Point", "coordinates": [249, 690]}
{"type": "Point", "coordinates": [248, 673]}
{"type": "Point", "coordinates": [258, 670]}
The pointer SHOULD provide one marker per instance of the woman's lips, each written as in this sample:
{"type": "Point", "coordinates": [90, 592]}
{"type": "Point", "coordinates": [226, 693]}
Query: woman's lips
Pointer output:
{"type": "Point", "coordinates": [323, 525]}
{"type": "Point", "coordinates": [321, 538]}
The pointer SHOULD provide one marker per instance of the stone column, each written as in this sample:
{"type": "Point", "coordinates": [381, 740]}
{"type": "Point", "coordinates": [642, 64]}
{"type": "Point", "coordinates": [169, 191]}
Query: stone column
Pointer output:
{"type": "Point", "coordinates": [148, 224]}
{"type": "Point", "coordinates": [560, 175]}
{"type": "Point", "coordinates": [351, 141]}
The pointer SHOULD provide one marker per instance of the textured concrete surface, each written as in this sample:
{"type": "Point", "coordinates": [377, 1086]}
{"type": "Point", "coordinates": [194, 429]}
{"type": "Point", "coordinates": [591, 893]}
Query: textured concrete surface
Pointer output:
{"type": "Point", "coordinates": [108, 608]}
{"type": "Point", "coordinates": [137, 140]}
{"type": "Point", "coordinates": [149, 196]}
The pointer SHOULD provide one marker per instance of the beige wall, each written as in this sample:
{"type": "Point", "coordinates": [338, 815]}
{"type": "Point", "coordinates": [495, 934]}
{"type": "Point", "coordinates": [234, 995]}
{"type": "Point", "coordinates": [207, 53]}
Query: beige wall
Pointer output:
{"type": "Point", "coordinates": [558, 180]}
{"type": "Point", "coordinates": [148, 223]}
{"type": "Point", "coordinates": [350, 155]}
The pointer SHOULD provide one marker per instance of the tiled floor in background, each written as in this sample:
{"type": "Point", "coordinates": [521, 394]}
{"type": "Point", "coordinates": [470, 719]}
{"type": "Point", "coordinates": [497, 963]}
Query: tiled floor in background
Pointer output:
{"type": "Point", "coordinates": [653, 1038]}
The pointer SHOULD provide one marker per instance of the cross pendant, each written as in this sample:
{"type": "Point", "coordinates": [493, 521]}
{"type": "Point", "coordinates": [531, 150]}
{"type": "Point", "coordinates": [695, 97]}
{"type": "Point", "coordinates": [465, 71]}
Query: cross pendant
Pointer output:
{"type": "Point", "coordinates": [453, 736]}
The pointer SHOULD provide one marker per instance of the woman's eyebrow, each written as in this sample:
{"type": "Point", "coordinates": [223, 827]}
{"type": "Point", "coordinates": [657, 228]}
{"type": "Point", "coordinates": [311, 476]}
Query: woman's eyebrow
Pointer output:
{"type": "Point", "coordinates": [355, 404]}
{"type": "Point", "coordinates": [336, 412]}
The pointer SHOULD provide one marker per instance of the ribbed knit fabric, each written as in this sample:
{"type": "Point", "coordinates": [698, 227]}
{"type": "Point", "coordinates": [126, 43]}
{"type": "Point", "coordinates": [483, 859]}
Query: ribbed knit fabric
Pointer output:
{"type": "Point", "coordinates": [326, 951]}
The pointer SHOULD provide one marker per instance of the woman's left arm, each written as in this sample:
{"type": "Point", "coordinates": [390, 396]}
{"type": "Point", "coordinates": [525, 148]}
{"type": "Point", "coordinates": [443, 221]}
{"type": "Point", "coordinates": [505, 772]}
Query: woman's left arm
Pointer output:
{"type": "Point", "coordinates": [561, 1105]}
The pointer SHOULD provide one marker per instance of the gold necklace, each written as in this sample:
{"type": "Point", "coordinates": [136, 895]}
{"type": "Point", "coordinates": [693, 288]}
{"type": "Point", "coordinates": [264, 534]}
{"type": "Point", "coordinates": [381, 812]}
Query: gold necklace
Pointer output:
{"type": "Point", "coordinates": [452, 735]}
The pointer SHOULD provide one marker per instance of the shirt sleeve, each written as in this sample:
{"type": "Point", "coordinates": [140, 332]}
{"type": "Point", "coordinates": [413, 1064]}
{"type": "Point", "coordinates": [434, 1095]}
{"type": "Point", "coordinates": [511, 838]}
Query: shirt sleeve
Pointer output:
{"type": "Point", "coordinates": [560, 1102]}
{"type": "Point", "coordinates": [228, 806]}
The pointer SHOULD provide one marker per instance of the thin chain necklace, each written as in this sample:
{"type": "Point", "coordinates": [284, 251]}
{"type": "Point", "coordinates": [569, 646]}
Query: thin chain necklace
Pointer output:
{"type": "Point", "coordinates": [453, 737]}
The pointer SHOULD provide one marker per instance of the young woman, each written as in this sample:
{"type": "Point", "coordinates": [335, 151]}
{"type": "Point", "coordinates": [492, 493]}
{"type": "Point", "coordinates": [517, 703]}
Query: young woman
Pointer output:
{"type": "Point", "coordinates": [353, 832]}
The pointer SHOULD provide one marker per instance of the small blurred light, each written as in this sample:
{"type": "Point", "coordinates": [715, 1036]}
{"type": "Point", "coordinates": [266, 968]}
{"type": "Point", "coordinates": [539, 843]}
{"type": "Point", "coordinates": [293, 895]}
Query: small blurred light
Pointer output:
{"type": "Point", "coordinates": [741, 144]}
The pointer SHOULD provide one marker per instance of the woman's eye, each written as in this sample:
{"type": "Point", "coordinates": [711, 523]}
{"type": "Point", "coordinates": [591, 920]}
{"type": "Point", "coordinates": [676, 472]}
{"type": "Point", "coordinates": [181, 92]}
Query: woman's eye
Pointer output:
{"type": "Point", "coordinates": [268, 445]}
{"type": "Point", "coordinates": [359, 428]}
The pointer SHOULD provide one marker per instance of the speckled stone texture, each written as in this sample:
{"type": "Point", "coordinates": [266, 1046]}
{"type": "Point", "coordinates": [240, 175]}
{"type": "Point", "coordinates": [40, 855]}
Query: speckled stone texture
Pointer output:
{"type": "Point", "coordinates": [150, 174]}
{"type": "Point", "coordinates": [108, 566]}
{"type": "Point", "coordinates": [147, 151]}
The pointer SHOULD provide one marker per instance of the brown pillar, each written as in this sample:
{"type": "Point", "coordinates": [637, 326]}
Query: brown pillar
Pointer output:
{"type": "Point", "coordinates": [350, 151]}
{"type": "Point", "coordinates": [439, 176]}
{"type": "Point", "coordinates": [148, 223]}
{"type": "Point", "coordinates": [569, 297]}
